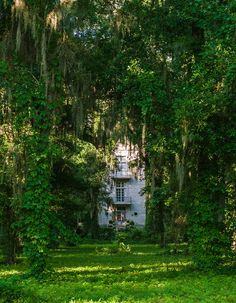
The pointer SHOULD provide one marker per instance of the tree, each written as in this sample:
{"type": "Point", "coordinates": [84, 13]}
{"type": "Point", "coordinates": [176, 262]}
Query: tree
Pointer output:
{"type": "Point", "coordinates": [46, 97]}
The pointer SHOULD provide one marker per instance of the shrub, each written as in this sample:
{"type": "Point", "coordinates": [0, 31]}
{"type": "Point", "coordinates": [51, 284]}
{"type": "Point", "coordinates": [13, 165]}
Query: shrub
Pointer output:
{"type": "Point", "coordinates": [122, 236]}
{"type": "Point", "coordinates": [9, 291]}
{"type": "Point", "coordinates": [209, 242]}
{"type": "Point", "coordinates": [130, 235]}
{"type": "Point", "coordinates": [117, 248]}
{"type": "Point", "coordinates": [107, 233]}
{"type": "Point", "coordinates": [124, 248]}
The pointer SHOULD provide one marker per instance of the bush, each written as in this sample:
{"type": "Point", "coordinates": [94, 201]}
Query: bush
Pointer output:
{"type": "Point", "coordinates": [136, 234]}
{"type": "Point", "coordinates": [124, 248]}
{"type": "Point", "coordinates": [121, 248]}
{"type": "Point", "coordinates": [122, 237]}
{"type": "Point", "coordinates": [208, 236]}
{"type": "Point", "coordinates": [9, 291]}
{"type": "Point", "coordinates": [107, 233]}
{"type": "Point", "coordinates": [130, 235]}
{"type": "Point", "coordinates": [208, 247]}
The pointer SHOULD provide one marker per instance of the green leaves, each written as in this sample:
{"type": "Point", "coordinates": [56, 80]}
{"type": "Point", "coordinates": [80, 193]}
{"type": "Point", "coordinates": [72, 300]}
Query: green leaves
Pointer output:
{"type": "Point", "coordinates": [3, 67]}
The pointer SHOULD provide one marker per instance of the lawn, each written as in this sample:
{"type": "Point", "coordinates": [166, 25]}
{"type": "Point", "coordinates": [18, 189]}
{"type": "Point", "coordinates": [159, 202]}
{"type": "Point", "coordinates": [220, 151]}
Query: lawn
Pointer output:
{"type": "Point", "coordinates": [97, 273]}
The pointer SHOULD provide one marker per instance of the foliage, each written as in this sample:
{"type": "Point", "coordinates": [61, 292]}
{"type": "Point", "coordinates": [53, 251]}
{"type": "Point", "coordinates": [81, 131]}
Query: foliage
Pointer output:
{"type": "Point", "coordinates": [13, 291]}
{"type": "Point", "coordinates": [207, 233]}
{"type": "Point", "coordinates": [107, 233]}
{"type": "Point", "coordinates": [175, 81]}
{"type": "Point", "coordinates": [78, 185]}
{"type": "Point", "coordinates": [31, 155]}
{"type": "Point", "coordinates": [132, 235]}
{"type": "Point", "coordinates": [117, 248]}
{"type": "Point", "coordinates": [9, 293]}
{"type": "Point", "coordinates": [35, 91]}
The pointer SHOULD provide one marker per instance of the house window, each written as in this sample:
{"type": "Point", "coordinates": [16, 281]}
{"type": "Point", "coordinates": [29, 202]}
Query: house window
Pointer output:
{"type": "Point", "coordinates": [120, 191]}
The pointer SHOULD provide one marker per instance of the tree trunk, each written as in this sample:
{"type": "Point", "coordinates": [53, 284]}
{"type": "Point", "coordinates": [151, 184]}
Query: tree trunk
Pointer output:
{"type": "Point", "coordinates": [10, 241]}
{"type": "Point", "coordinates": [156, 209]}
{"type": "Point", "coordinates": [160, 222]}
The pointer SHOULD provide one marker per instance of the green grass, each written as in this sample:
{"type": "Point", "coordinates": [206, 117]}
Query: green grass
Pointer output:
{"type": "Point", "coordinates": [87, 274]}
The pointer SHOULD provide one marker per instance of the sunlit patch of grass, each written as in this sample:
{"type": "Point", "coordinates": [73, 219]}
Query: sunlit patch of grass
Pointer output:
{"type": "Point", "coordinates": [10, 272]}
{"type": "Point", "coordinates": [13, 269]}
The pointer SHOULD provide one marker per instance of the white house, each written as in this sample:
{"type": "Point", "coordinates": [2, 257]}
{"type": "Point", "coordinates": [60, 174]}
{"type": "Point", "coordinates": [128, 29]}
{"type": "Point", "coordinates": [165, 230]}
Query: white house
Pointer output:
{"type": "Point", "coordinates": [126, 183]}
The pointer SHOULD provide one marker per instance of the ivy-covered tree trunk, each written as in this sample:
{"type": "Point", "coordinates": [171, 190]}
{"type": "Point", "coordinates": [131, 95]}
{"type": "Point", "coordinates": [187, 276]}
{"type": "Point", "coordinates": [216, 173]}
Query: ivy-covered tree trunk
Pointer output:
{"type": "Point", "coordinates": [207, 234]}
{"type": "Point", "coordinates": [37, 194]}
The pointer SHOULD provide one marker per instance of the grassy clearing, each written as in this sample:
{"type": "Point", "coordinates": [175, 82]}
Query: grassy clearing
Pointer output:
{"type": "Point", "coordinates": [91, 273]}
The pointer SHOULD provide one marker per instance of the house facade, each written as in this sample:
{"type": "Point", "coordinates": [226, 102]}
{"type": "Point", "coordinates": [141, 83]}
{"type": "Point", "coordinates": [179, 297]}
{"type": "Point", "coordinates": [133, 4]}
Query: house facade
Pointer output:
{"type": "Point", "coordinates": [125, 187]}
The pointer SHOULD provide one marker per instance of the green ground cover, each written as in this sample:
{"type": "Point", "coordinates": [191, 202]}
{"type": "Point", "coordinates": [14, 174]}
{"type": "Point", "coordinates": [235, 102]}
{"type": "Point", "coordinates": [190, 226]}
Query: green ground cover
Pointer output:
{"type": "Point", "coordinates": [98, 273]}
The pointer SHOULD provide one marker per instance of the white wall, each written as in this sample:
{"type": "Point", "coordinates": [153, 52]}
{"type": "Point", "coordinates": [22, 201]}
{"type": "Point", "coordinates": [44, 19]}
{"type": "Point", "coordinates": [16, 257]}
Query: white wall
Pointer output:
{"type": "Point", "coordinates": [136, 210]}
{"type": "Point", "coordinates": [138, 202]}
